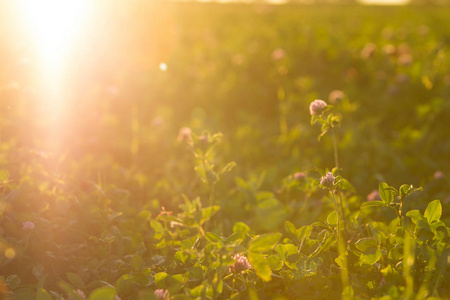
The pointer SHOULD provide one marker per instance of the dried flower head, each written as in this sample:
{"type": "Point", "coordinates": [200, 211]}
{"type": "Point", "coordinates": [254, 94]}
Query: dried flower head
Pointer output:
{"type": "Point", "coordinates": [327, 180]}
{"type": "Point", "coordinates": [28, 225]}
{"type": "Point", "coordinates": [185, 134]}
{"type": "Point", "coordinates": [240, 264]}
{"type": "Point", "coordinates": [317, 107]}
{"type": "Point", "coordinates": [162, 294]}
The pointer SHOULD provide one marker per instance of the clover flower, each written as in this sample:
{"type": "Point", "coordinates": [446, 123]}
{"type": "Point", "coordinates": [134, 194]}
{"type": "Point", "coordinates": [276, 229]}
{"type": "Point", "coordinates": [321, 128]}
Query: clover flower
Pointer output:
{"type": "Point", "coordinates": [185, 134]}
{"type": "Point", "coordinates": [28, 225]}
{"type": "Point", "coordinates": [162, 294]}
{"type": "Point", "coordinates": [336, 96]}
{"type": "Point", "coordinates": [317, 107]}
{"type": "Point", "coordinates": [299, 175]}
{"type": "Point", "coordinates": [278, 54]}
{"type": "Point", "coordinates": [438, 175]}
{"type": "Point", "coordinates": [327, 180]}
{"type": "Point", "coordinates": [368, 50]}
{"type": "Point", "coordinates": [373, 196]}
{"type": "Point", "coordinates": [240, 264]}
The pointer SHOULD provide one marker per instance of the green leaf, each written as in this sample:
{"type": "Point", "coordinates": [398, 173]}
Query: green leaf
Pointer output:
{"type": "Point", "coordinates": [13, 282]}
{"type": "Point", "coordinates": [234, 237]}
{"type": "Point", "coordinates": [370, 256]}
{"type": "Point", "coordinates": [284, 250]}
{"type": "Point", "coordinates": [76, 280]}
{"type": "Point", "coordinates": [241, 227]}
{"type": "Point", "coordinates": [125, 285]}
{"type": "Point", "coordinates": [415, 215]}
{"type": "Point", "coordinates": [290, 228]}
{"type": "Point", "coordinates": [274, 262]}
{"type": "Point", "coordinates": [404, 190]}
{"type": "Point", "coordinates": [320, 224]}
{"type": "Point", "coordinates": [386, 193]}
{"type": "Point", "coordinates": [175, 282]}
{"type": "Point", "coordinates": [141, 278]}
{"type": "Point", "coordinates": [261, 266]}
{"type": "Point", "coordinates": [208, 212]}
{"type": "Point", "coordinates": [332, 218]}
{"type": "Point", "coordinates": [303, 232]}
{"type": "Point", "coordinates": [43, 295]}
{"type": "Point", "coordinates": [345, 185]}
{"type": "Point", "coordinates": [265, 242]}
{"type": "Point", "coordinates": [136, 262]}
{"type": "Point", "coordinates": [160, 276]}
{"type": "Point", "coordinates": [373, 204]}
{"type": "Point", "coordinates": [433, 211]}
{"type": "Point", "coordinates": [212, 237]}
{"type": "Point", "coordinates": [157, 228]}
{"type": "Point", "coordinates": [103, 293]}
{"type": "Point", "coordinates": [366, 243]}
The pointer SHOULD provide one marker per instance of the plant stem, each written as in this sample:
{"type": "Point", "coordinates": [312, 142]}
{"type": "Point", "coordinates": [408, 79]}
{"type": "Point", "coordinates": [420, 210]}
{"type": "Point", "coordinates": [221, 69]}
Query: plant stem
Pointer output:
{"type": "Point", "coordinates": [333, 138]}
{"type": "Point", "coordinates": [343, 215]}
{"type": "Point", "coordinates": [341, 247]}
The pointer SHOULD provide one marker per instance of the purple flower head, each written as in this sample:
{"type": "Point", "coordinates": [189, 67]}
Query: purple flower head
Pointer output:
{"type": "Point", "coordinates": [162, 294]}
{"type": "Point", "coordinates": [327, 180]}
{"type": "Point", "coordinates": [240, 264]}
{"type": "Point", "coordinates": [28, 225]}
{"type": "Point", "coordinates": [317, 107]}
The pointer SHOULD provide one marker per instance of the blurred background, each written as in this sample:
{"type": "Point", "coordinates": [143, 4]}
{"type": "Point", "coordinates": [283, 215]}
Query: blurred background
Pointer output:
{"type": "Point", "coordinates": [97, 92]}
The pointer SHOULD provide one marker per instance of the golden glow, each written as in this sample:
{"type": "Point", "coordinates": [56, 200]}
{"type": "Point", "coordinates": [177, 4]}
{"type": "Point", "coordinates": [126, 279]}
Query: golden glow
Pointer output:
{"type": "Point", "coordinates": [53, 27]}
{"type": "Point", "coordinates": [163, 66]}
{"type": "Point", "coordinates": [52, 31]}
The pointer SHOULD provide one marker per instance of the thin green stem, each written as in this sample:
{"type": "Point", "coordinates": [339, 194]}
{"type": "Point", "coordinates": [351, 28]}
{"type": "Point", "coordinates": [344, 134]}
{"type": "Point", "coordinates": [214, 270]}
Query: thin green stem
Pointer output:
{"type": "Point", "coordinates": [333, 138]}
{"type": "Point", "coordinates": [343, 215]}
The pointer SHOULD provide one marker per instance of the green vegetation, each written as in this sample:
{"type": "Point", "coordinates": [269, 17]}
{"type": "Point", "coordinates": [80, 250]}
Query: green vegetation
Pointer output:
{"type": "Point", "coordinates": [213, 179]}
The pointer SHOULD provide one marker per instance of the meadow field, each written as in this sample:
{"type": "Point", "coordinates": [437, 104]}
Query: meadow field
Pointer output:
{"type": "Point", "coordinates": [180, 151]}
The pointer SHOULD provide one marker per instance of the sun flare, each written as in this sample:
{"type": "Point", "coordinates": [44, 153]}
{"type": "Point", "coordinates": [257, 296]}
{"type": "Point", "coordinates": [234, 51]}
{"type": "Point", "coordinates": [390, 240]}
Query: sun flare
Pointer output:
{"type": "Point", "coordinates": [53, 29]}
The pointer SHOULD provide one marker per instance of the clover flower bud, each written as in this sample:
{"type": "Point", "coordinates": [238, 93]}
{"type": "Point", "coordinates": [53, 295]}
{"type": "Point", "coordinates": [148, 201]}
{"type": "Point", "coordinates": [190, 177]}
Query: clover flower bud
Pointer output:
{"type": "Point", "coordinates": [162, 294]}
{"type": "Point", "coordinates": [327, 180]}
{"type": "Point", "coordinates": [240, 264]}
{"type": "Point", "coordinates": [317, 107]}
{"type": "Point", "coordinates": [185, 134]}
{"type": "Point", "coordinates": [28, 225]}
